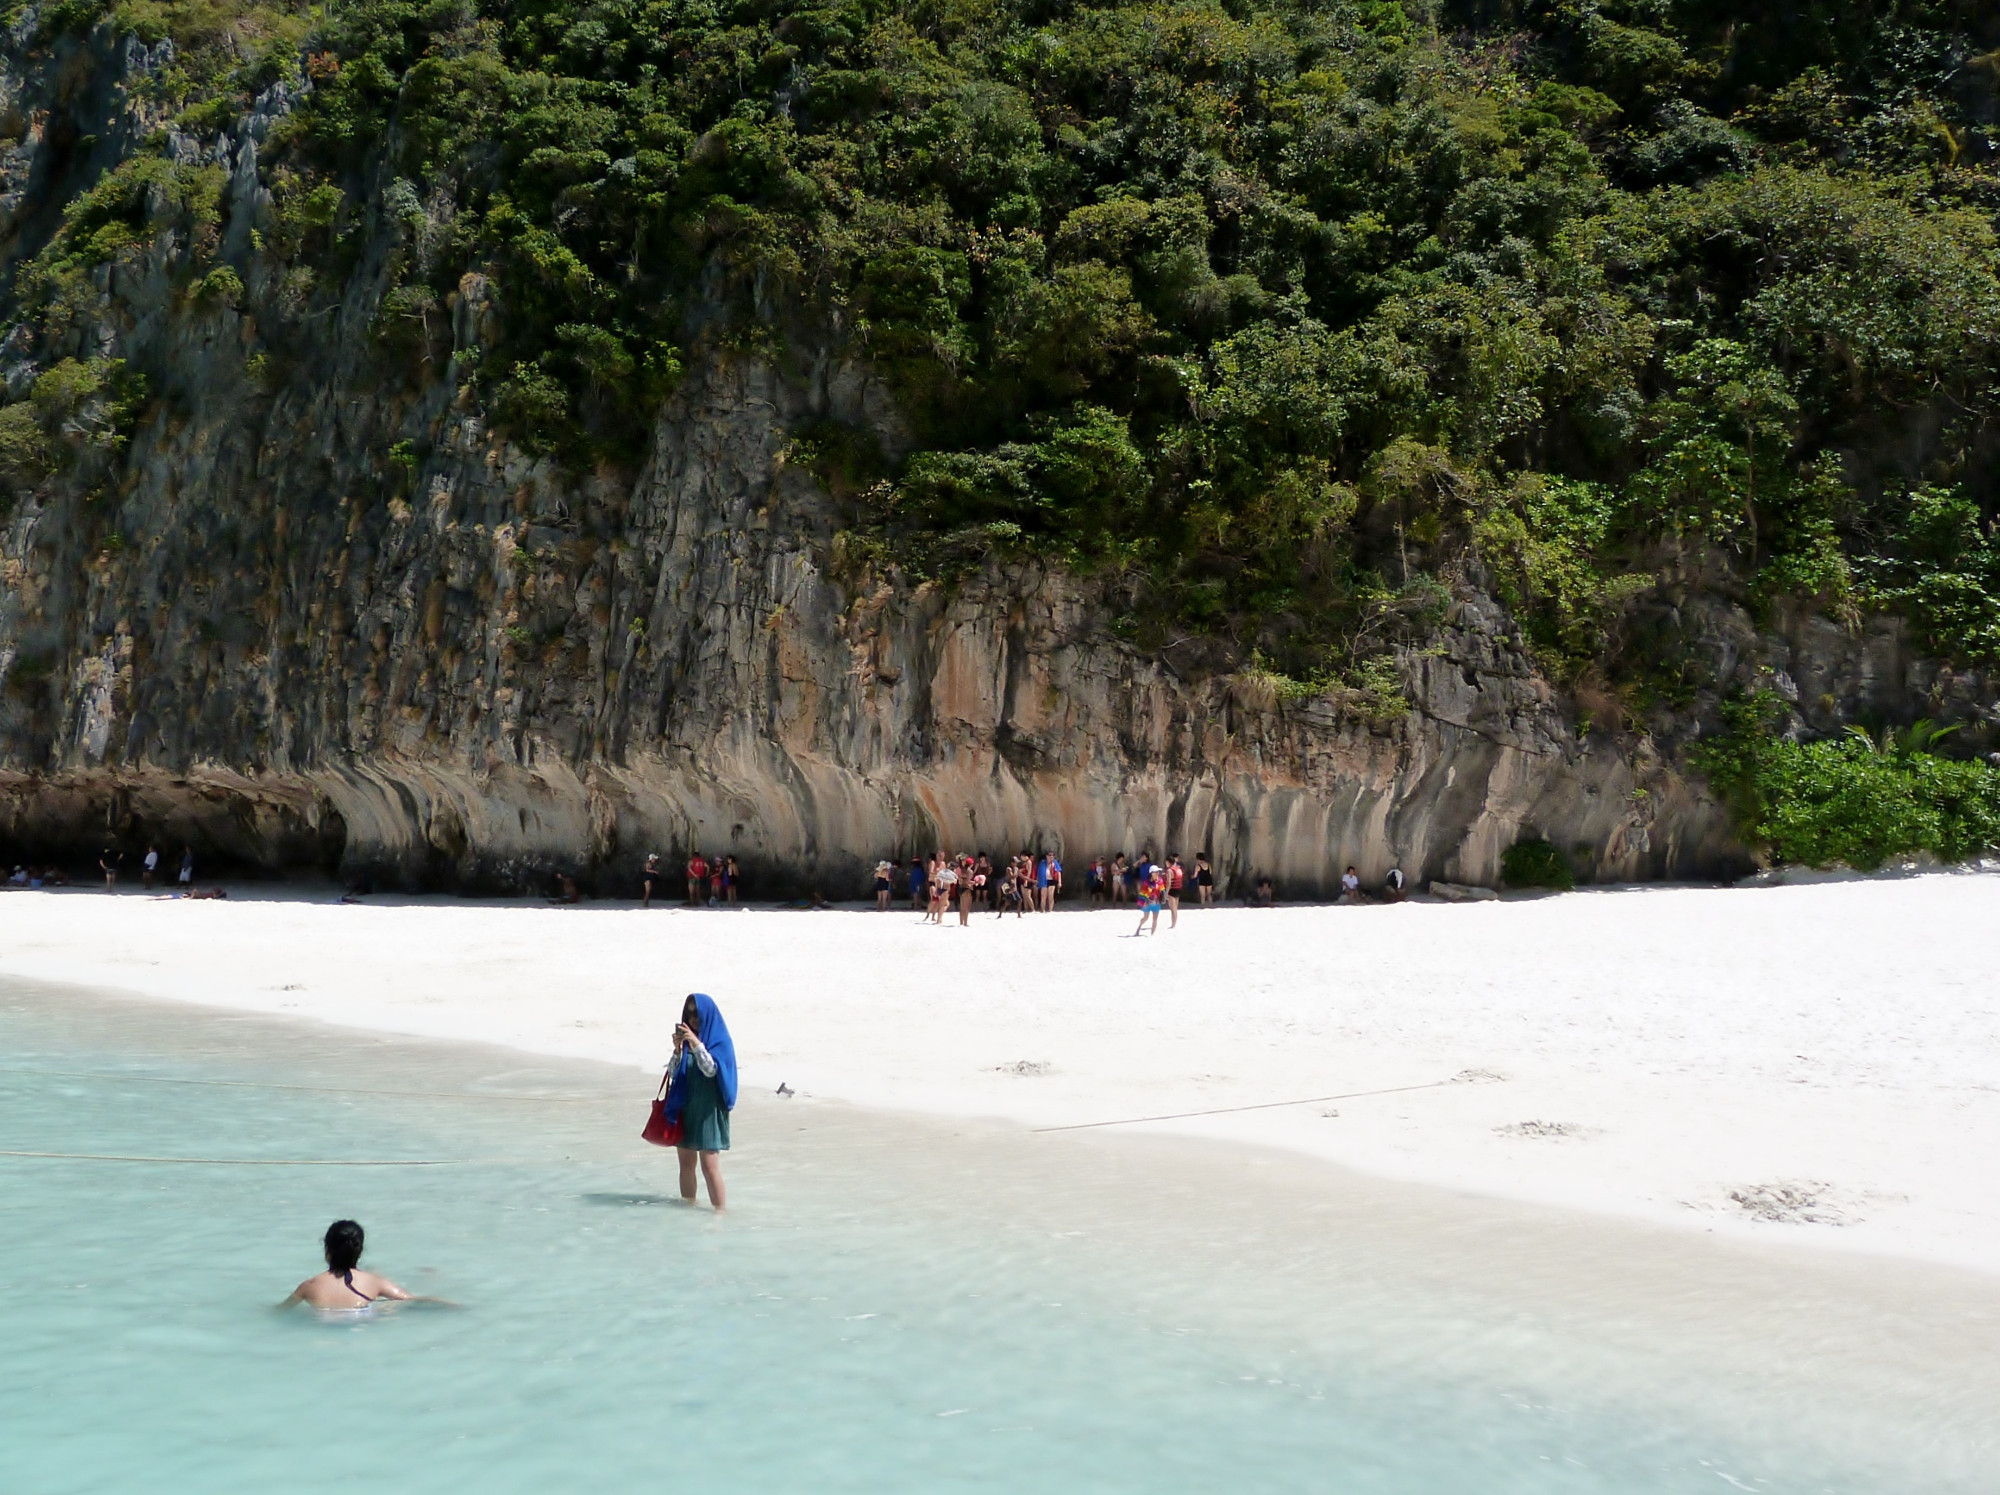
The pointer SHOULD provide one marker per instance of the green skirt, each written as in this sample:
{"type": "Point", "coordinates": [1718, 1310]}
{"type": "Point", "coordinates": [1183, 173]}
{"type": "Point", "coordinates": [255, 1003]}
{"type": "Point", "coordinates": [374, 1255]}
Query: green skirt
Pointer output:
{"type": "Point", "coordinates": [704, 1119]}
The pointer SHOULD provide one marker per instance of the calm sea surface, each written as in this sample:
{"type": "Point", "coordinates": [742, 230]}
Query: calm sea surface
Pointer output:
{"type": "Point", "coordinates": [892, 1304]}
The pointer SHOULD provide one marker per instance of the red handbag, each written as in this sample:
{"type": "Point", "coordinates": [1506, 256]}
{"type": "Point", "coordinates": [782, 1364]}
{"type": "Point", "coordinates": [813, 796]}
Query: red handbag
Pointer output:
{"type": "Point", "coordinates": [659, 1131]}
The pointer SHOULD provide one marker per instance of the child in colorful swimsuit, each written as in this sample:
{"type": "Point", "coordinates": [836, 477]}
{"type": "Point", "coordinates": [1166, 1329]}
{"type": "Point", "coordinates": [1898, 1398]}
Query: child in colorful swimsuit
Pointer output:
{"type": "Point", "coordinates": [1153, 892]}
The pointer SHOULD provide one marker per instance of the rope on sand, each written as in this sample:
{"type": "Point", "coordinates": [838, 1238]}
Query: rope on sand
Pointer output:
{"type": "Point", "coordinates": [1310, 1100]}
{"type": "Point", "coordinates": [105, 1074]}
{"type": "Point", "coordinates": [107, 1157]}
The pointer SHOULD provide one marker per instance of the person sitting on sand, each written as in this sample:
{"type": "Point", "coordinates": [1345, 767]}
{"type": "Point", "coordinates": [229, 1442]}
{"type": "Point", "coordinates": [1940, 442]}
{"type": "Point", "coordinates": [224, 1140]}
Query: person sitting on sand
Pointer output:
{"type": "Point", "coordinates": [1350, 885]}
{"type": "Point", "coordinates": [1266, 897]}
{"type": "Point", "coordinates": [702, 1093]}
{"type": "Point", "coordinates": [568, 892]}
{"type": "Point", "coordinates": [1394, 885]}
{"type": "Point", "coordinates": [211, 893]}
{"type": "Point", "coordinates": [342, 1285]}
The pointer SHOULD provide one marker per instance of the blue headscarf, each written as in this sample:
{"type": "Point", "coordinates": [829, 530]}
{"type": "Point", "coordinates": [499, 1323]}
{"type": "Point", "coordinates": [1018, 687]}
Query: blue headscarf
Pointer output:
{"type": "Point", "coordinates": [714, 1035]}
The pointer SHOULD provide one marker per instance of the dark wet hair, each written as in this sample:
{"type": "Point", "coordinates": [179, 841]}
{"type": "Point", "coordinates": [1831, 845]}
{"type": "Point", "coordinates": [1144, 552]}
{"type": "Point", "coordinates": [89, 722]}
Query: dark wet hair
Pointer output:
{"type": "Point", "coordinates": [343, 1245]}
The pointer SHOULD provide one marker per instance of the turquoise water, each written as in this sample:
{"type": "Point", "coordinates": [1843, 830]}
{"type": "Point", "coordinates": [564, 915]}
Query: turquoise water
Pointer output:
{"type": "Point", "coordinates": [890, 1305]}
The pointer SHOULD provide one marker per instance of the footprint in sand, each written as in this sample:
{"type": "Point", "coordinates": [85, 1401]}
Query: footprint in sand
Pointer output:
{"type": "Point", "coordinates": [1794, 1202]}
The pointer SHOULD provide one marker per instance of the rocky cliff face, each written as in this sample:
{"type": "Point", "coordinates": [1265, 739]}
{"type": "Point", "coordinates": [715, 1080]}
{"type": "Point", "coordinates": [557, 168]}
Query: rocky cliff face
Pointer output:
{"type": "Point", "coordinates": [260, 627]}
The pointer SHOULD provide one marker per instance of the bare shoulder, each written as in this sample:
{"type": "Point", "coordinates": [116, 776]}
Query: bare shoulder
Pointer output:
{"type": "Point", "coordinates": [308, 1291]}
{"type": "Point", "coordinates": [377, 1286]}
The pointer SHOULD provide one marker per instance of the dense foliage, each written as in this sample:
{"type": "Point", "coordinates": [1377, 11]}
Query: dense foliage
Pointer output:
{"type": "Point", "coordinates": [1535, 863]}
{"type": "Point", "coordinates": [1288, 313]}
{"type": "Point", "coordinates": [1855, 799]}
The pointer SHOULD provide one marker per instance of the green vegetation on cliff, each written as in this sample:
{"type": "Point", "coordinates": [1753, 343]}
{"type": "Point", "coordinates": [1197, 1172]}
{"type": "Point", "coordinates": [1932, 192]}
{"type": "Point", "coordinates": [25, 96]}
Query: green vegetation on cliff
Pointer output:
{"type": "Point", "coordinates": [1289, 315]}
{"type": "Point", "coordinates": [1854, 799]}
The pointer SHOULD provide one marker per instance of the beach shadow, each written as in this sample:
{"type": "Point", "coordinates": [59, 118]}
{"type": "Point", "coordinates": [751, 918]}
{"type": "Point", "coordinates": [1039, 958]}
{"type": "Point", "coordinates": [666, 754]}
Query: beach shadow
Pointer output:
{"type": "Point", "coordinates": [630, 1199]}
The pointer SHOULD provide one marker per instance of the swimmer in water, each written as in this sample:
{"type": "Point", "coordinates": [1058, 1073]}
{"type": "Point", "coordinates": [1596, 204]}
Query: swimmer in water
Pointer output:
{"type": "Point", "coordinates": [341, 1286]}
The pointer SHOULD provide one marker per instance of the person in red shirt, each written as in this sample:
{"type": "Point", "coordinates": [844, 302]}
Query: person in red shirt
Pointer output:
{"type": "Point", "coordinates": [697, 880]}
{"type": "Point", "coordinates": [1176, 880]}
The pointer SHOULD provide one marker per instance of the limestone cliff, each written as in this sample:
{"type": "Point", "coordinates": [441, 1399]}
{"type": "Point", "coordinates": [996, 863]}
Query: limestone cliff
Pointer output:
{"type": "Point", "coordinates": [303, 615]}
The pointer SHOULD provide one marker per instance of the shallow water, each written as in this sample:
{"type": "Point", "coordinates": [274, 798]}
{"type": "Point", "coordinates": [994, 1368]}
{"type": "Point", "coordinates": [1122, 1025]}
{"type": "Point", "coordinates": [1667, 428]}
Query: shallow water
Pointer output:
{"type": "Point", "coordinates": [891, 1304]}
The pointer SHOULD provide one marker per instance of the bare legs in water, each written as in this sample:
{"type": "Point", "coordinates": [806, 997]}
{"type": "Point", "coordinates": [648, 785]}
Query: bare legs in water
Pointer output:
{"type": "Point", "coordinates": [711, 1173]}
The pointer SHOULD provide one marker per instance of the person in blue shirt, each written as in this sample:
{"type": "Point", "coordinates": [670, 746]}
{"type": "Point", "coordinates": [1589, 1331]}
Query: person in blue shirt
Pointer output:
{"type": "Point", "coordinates": [701, 1094]}
{"type": "Point", "coordinates": [1049, 880]}
{"type": "Point", "coordinates": [916, 885]}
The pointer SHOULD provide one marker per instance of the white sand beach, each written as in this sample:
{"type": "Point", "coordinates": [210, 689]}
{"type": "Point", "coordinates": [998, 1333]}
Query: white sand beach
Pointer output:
{"type": "Point", "coordinates": [1811, 1065]}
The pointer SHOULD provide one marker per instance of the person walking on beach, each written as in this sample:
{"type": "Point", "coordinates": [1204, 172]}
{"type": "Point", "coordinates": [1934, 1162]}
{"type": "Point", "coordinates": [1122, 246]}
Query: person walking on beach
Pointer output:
{"type": "Point", "coordinates": [150, 866]}
{"type": "Point", "coordinates": [1204, 879]}
{"type": "Point", "coordinates": [697, 877]}
{"type": "Point", "coordinates": [343, 1286]}
{"type": "Point", "coordinates": [187, 866]}
{"type": "Point", "coordinates": [944, 886]}
{"type": "Point", "coordinates": [652, 870]}
{"type": "Point", "coordinates": [702, 1093]}
{"type": "Point", "coordinates": [1152, 893]}
{"type": "Point", "coordinates": [1010, 892]}
{"type": "Point", "coordinates": [1175, 877]}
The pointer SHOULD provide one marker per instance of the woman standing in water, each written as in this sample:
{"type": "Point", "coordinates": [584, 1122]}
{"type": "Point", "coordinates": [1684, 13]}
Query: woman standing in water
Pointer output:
{"type": "Point", "coordinates": [702, 1094]}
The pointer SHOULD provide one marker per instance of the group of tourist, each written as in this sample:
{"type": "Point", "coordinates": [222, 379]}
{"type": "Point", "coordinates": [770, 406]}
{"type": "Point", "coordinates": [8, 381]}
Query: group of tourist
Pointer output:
{"type": "Point", "coordinates": [110, 862]}
{"type": "Point", "coordinates": [1025, 883]}
{"type": "Point", "coordinates": [712, 882]}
